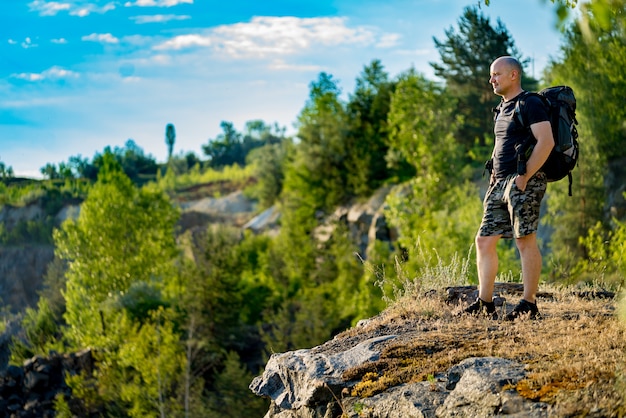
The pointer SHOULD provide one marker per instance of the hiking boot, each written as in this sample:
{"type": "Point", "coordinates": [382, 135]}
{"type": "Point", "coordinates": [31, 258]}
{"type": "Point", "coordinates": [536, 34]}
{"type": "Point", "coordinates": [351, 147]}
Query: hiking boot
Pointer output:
{"type": "Point", "coordinates": [524, 309]}
{"type": "Point", "coordinates": [480, 307]}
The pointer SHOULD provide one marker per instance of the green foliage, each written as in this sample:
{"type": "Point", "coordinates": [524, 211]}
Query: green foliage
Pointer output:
{"type": "Point", "coordinates": [170, 139]}
{"type": "Point", "coordinates": [123, 235]}
{"type": "Point", "coordinates": [232, 147]}
{"type": "Point", "coordinates": [366, 139]}
{"type": "Point", "coordinates": [320, 162]}
{"type": "Point", "coordinates": [258, 284]}
{"type": "Point", "coordinates": [156, 357]}
{"type": "Point", "coordinates": [61, 407]}
{"type": "Point", "coordinates": [593, 48]}
{"type": "Point", "coordinates": [606, 260]}
{"type": "Point", "coordinates": [174, 181]}
{"type": "Point", "coordinates": [39, 232]}
{"type": "Point", "coordinates": [421, 120]}
{"type": "Point", "coordinates": [425, 226]}
{"type": "Point", "coordinates": [269, 164]}
{"type": "Point", "coordinates": [138, 166]}
{"type": "Point", "coordinates": [41, 333]}
{"type": "Point", "coordinates": [140, 300]}
{"type": "Point", "coordinates": [54, 287]}
{"type": "Point", "coordinates": [211, 282]}
{"type": "Point", "coordinates": [232, 398]}
{"type": "Point", "coordinates": [85, 394]}
{"type": "Point", "coordinates": [6, 171]}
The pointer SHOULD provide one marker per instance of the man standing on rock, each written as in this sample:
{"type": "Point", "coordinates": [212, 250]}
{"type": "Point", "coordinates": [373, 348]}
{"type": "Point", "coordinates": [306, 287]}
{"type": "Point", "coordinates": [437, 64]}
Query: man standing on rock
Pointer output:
{"type": "Point", "coordinates": [511, 205]}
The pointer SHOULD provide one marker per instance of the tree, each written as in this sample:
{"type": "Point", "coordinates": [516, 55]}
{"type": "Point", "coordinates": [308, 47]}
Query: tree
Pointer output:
{"type": "Point", "coordinates": [465, 60]}
{"type": "Point", "coordinates": [226, 149]}
{"type": "Point", "coordinates": [131, 157]}
{"type": "Point", "coordinates": [50, 171]}
{"type": "Point", "coordinates": [421, 122]}
{"type": "Point", "coordinates": [269, 164]}
{"type": "Point", "coordinates": [82, 168]}
{"type": "Point", "coordinates": [123, 235]}
{"type": "Point", "coordinates": [5, 171]}
{"type": "Point", "coordinates": [170, 138]}
{"type": "Point", "coordinates": [120, 256]}
{"type": "Point", "coordinates": [592, 50]}
{"type": "Point", "coordinates": [366, 139]}
{"type": "Point", "coordinates": [321, 158]}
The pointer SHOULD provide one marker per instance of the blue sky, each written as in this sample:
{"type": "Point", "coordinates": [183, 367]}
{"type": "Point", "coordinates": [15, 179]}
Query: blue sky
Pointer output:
{"type": "Point", "coordinates": [79, 75]}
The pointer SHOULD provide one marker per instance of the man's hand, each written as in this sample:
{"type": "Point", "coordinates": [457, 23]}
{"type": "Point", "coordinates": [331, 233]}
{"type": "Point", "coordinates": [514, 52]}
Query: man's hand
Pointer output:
{"type": "Point", "coordinates": [521, 181]}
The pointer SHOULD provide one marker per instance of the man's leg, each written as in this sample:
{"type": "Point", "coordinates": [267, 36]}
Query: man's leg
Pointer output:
{"type": "Point", "coordinates": [531, 265]}
{"type": "Point", "coordinates": [487, 265]}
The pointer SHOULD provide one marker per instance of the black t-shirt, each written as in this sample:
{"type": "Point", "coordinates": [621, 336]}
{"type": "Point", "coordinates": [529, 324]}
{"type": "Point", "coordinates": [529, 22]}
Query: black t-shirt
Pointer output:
{"type": "Point", "coordinates": [508, 132]}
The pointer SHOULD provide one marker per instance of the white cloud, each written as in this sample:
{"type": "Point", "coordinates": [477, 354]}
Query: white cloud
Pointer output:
{"type": "Point", "coordinates": [59, 41]}
{"type": "Point", "coordinates": [53, 73]}
{"type": "Point", "coordinates": [388, 40]}
{"type": "Point", "coordinates": [413, 52]}
{"type": "Point", "coordinates": [12, 42]}
{"type": "Point", "coordinates": [269, 36]}
{"type": "Point", "coordinates": [105, 38]}
{"type": "Point", "coordinates": [52, 8]}
{"type": "Point", "coordinates": [28, 43]}
{"type": "Point", "coordinates": [272, 36]}
{"type": "Point", "coordinates": [283, 66]}
{"type": "Point", "coordinates": [92, 8]}
{"type": "Point", "coordinates": [157, 3]}
{"type": "Point", "coordinates": [48, 8]}
{"type": "Point", "coordinates": [185, 41]}
{"type": "Point", "coordinates": [158, 18]}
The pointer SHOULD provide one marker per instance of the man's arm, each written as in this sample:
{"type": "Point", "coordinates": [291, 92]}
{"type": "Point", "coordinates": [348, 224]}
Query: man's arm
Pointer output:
{"type": "Point", "coordinates": [542, 131]}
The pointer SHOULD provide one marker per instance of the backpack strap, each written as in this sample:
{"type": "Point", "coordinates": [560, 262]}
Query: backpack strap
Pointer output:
{"type": "Point", "coordinates": [521, 101]}
{"type": "Point", "coordinates": [496, 110]}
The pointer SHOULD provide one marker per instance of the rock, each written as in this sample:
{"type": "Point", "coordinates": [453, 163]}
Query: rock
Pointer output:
{"type": "Point", "coordinates": [22, 269]}
{"type": "Point", "coordinates": [306, 377]}
{"type": "Point", "coordinates": [266, 220]}
{"type": "Point", "coordinates": [29, 391]}
{"type": "Point", "coordinates": [477, 386]}
{"type": "Point", "coordinates": [417, 400]}
{"type": "Point", "coordinates": [308, 384]}
{"type": "Point", "coordinates": [365, 221]}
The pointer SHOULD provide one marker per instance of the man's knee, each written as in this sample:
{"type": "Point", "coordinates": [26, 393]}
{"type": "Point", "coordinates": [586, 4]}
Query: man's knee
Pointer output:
{"type": "Point", "coordinates": [486, 243]}
{"type": "Point", "coordinates": [528, 242]}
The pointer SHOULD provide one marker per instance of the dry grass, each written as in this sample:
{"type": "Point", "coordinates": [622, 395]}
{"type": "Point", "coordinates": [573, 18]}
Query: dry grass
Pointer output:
{"type": "Point", "coordinates": [575, 356]}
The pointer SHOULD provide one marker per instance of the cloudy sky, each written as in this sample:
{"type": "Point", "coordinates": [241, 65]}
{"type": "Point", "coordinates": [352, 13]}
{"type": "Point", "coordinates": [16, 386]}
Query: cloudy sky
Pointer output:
{"type": "Point", "coordinates": [79, 75]}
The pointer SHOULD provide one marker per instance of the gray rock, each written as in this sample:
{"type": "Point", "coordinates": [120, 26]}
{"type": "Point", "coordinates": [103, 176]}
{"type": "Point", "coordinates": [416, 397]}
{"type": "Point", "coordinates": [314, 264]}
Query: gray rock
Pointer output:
{"type": "Point", "coordinates": [308, 384]}
{"type": "Point", "coordinates": [304, 378]}
{"type": "Point", "coordinates": [414, 400]}
{"type": "Point", "coordinates": [477, 390]}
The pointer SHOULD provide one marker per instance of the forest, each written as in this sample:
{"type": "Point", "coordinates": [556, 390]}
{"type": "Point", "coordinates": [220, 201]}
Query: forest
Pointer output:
{"type": "Point", "coordinates": [180, 323]}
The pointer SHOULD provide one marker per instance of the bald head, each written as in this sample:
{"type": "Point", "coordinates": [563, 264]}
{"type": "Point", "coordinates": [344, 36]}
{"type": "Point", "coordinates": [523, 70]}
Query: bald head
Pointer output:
{"type": "Point", "coordinates": [510, 63]}
{"type": "Point", "coordinates": [506, 77]}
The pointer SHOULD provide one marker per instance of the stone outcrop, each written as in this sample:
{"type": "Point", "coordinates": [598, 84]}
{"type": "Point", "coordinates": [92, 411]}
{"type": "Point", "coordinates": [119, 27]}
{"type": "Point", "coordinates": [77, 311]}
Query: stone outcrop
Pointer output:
{"type": "Point", "coordinates": [309, 384]}
{"type": "Point", "coordinates": [233, 209]}
{"type": "Point", "coordinates": [30, 391]}
{"type": "Point", "coordinates": [316, 382]}
{"type": "Point", "coordinates": [365, 221]}
{"type": "Point", "coordinates": [22, 269]}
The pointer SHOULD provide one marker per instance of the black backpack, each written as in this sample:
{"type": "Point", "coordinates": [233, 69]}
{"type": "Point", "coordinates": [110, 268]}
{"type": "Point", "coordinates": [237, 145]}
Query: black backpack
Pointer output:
{"type": "Point", "coordinates": [561, 105]}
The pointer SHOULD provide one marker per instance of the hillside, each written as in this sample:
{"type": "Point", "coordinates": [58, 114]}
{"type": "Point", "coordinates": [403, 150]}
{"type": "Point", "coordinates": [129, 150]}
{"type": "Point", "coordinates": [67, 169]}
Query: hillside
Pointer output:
{"type": "Point", "coordinates": [419, 358]}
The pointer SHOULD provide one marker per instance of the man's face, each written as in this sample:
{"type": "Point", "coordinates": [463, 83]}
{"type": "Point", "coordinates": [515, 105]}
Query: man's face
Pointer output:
{"type": "Point", "coordinates": [500, 77]}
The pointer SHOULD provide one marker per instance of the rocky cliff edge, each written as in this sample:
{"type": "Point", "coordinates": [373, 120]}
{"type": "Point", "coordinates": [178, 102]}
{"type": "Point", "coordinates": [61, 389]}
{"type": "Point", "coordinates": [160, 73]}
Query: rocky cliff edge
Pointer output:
{"type": "Point", "coordinates": [420, 359]}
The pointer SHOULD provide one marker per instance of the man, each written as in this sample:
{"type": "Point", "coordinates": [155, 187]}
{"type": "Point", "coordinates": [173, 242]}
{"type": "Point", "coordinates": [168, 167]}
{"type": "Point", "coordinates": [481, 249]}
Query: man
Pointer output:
{"type": "Point", "coordinates": [512, 203]}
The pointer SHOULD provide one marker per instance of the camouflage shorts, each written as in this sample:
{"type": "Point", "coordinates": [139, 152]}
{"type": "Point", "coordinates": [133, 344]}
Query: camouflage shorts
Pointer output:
{"type": "Point", "coordinates": [510, 212]}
